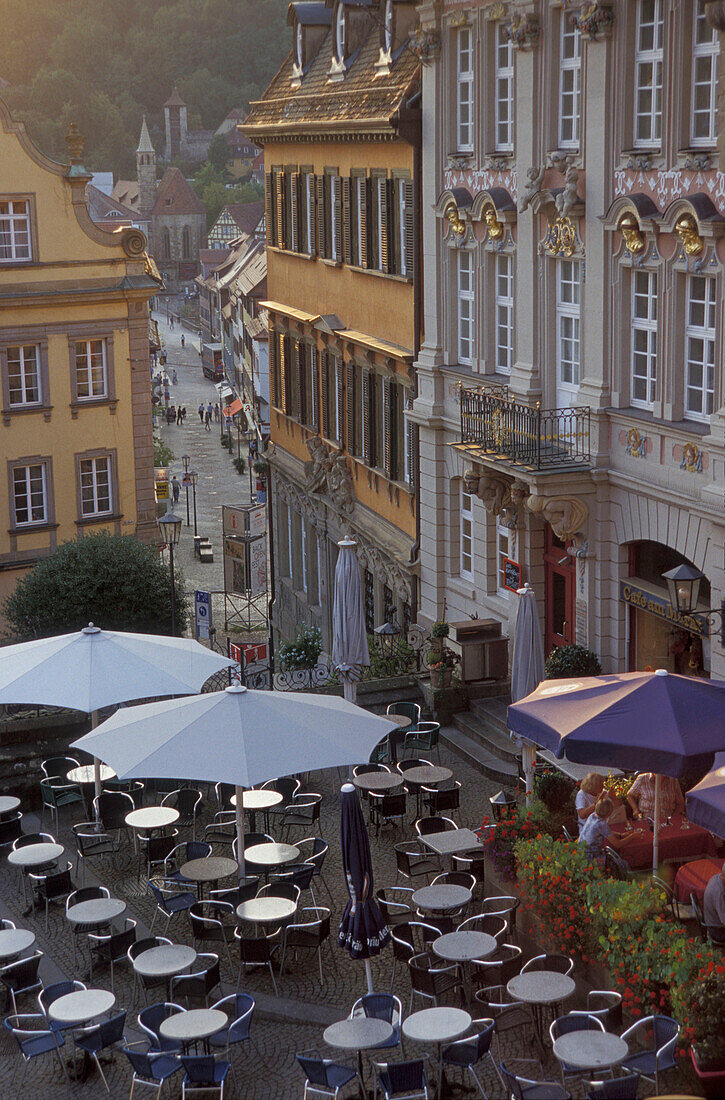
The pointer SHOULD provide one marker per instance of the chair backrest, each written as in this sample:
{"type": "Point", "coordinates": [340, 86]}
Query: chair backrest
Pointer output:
{"type": "Point", "coordinates": [111, 1031]}
{"type": "Point", "coordinates": [606, 1004]}
{"type": "Point", "coordinates": [407, 709]}
{"type": "Point", "coordinates": [424, 826]}
{"type": "Point", "coordinates": [403, 1076]}
{"type": "Point", "coordinates": [449, 799]}
{"type": "Point", "coordinates": [502, 905]}
{"type": "Point", "coordinates": [561, 964]}
{"type": "Point", "coordinates": [616, 865]}
{"type": "Point", "coordinates": [318, 851]}
{"type": "Point", "coordinates": [455, 878]}
{"type": "Point", "coordinates": [619, 1088]}
{"type": "Point", "coordinates": [287, 786]}
{"type": "Point", "coordinates": [199, 1068]}
{"type": "Point", "coordinates": [57, 884]}
{"type": "Point", "coordinates": [492, 926]}
{"type": "Point", "coordinates": [473, 862]}
{"type": "Point", "coordinates": [119, 942]}
{"type": "Point", "coordinates": [314, 1069]}
{"type": "Point", "coordinates": [379, 1006]}
{"type": "Point", "coordinates": [512, 1084]}
{"type": "Point", "coordinates": [145, 944]}
{"type": "Point", "coordinates": [87, 893]}
{"type": "Point", "coordinates": [11, 829]}
{"type": "Point", "coordinates": [151, 1018]}
{"type": "Point", "coordinates": [574, 1021]}
{"type": "Point", "coordinates": [22, 974]}
{"type": "Point", "coordinates": [58, 765]}
{"type": "Point", "coordinates": [239, 1008]}
{"type": "Point", "coordinates": [391, 805]}
{"type": "Point", "coordinates": [298, 874]}
{"type": "Point", "coordinates": [286, 890]}
{"type": "Point", "coordinates": [251, 839]}
{"type": "Point", "coordinates": [57, 989]}
{"type": "Point", "coordinates": [412, 762]}
{"type": "Point", "coordinates": [141, 1063]}
{"type": "Point", "coordinates": [6, 923]}
{"type": "Point", "coordinates": [366, 769]}
{"type": "Point", "coordinates": [33, 838]}
{"type": "Point", "coordinates": [112, 807]}
{"type": "Point", "coordinates": [235, 895]}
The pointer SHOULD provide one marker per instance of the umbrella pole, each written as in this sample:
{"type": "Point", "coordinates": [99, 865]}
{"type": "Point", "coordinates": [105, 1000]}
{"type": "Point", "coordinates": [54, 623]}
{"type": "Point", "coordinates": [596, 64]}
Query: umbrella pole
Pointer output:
{"type": "Point", "coordinates": [528, 754]}
{"type": "Point", "coordinates": [240, 829]}
{"type": "Point", "coordinates": [656, 838]}
{"type": "Point", "coordinates": [369, 975]}
{"type": "Point", "coordinates": [96, 767]}
{"type": "Point", "coordinates": [349, 692]}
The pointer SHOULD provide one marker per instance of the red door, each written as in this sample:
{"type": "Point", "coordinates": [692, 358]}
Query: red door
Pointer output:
{"type": "Point", "coordinates": [559, 593]}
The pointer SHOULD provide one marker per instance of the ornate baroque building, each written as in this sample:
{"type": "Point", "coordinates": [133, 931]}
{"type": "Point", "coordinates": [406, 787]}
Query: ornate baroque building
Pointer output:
{"type": "Point", "coordinates": [570, 381]}
{"type": "Point", "coordinates": [340, 127]}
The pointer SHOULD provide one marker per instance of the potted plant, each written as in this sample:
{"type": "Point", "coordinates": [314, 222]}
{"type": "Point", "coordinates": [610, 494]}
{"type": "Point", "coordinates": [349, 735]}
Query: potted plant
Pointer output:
{"type": "Point", "coordinates": [571, 660]}
{"type": "Point", "coordinates": [703, 1008]}
{"type": "Point", "coordinates": [438, 634]}
{"type": "Point", "coordinates": [441, 667]}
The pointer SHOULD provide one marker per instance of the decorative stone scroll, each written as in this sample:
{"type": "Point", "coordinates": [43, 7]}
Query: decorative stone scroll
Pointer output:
{"type": "Point", "coordinates": [566, 515]}
{"type": "Point", "coordinates": [327, 473]}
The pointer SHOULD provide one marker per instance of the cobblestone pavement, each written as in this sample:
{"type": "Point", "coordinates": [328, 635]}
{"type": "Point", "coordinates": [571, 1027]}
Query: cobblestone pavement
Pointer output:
{"type": "Point", "coordinates": [281, 1028]}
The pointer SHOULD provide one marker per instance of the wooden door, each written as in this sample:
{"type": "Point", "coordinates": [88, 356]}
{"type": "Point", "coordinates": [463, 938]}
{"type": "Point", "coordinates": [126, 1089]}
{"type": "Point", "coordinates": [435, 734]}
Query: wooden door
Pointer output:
{"type": "Point", "coordinates": [559, 594]}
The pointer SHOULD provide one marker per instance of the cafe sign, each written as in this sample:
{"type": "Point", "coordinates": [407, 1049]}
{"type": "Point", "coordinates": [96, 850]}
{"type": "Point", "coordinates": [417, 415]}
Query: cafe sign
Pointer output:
{"type": "Point", "coordinates": [660, 606]}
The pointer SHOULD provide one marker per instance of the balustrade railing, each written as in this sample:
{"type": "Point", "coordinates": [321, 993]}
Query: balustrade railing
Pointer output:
{"type": "Point", "coordinates": [532, 437]}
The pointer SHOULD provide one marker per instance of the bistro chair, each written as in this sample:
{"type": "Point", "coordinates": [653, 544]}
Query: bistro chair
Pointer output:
{"type": "Point", "coordinates": [200, 983]}
{"type": "Point", "coordinates": [187, 801]}
{"type": "Point", "coordinates": [504, 906]}
{"type": "Point", "coordinates": [150, 1020]}
{"type": "Point", "coordinates": [617, 866]}
{"type": "Point", "coordinates": [153, 851]}
{"type": "Point", "coordinates": [381, 1006]}
{"type": "Point", "coordinates": [562, 964]}
{"type": "Point", "coordinates": [111, 808]}
{"type": "Point", "coordinates": [56, 793]}
{"type": "Point", "coordinates": [424, 738]}
{"type": "Point", "coordinates": [619, 1088]}
{"type": "Point", "coordinates": [413, 860]}
{"type": "Point", "coordinates": [310, 928]}
{"type": "Point", "coordinates": [34, 1038]}
{"type": "Point", "coordinates": [112, 947]}
{"type": "Point", "coordinates": [473, 1051]}
{"type": "Point", "coordinates": [525, 1088]}
{"type": "Point", "coordinates": [657, 1038]}
{"type": "Point", "coordinates": [303, 812]}
{"type": "Point", "coordinates": [239, 1009]}
{"type": "Point", "coordinates": [387, 808]}
{"type": "Point", "coordinates": [501, 967]}
{"type": "Point", "coordinates": [314, 850]}
{"type": "Point", "coordinates": [11, 828]}
{"type": "Point", "coordinates": [92, 842]}
{"type": "Point", "coordinates": [491, 925]}
{"type": "Point", "coordinates": [257, 951]}
{"type": "Point", "coordinates": [402, 1079]}
{"type": "Point", "coordinates": [170, 900]}
{"type": "Point", "coordinates": [606, 1005]}
{"type": "Point", "coordinates": [411, 711]}
{"type": "Point", "coordinates": [203, 1073]}
{"type": "Point", "coordinates": [431, 982]}
{"type": "Point", "coordinates": [223, 828]}
{"type": "Point", "coordinates": [472, 862]}
{"type": "Point", "coordinates": [396, 904]}
{"type": "Point", "coordinates": [436, 799]}
{"type": "Point", "coordinates": [151, 1067]}
{"type": "Point", "coordinates": [21, 977]}
{"type": "Point", "coordinates": [181, 854]}
{"type": "Point", "coordinates": [235, 895]}
{"type": "Point", "coordinates": [58, 766]}
{"type": "Point", "coordinates": [85, 893]}
{"type": "Point", "coordinates": [288, 786]}
{"type": "Point", "coordinates": [323, 1077]}
{"type": "Point", "coordinates": [213, 922]}
{"type": "Point", "coordinates": [297, 874]}
{"type": "Point", "coordinates": [508, 1014]}
{"type": "Point", "coordinates": [565, 1025]}
{"type": "Point", "coordinates": [424, 826]}
{"type": "Point", "coordinates": [53, 885]}
{"type": "Point", "coordinates": [409, 939]}
{"type": "Point", "coordinates": [104, 1036]}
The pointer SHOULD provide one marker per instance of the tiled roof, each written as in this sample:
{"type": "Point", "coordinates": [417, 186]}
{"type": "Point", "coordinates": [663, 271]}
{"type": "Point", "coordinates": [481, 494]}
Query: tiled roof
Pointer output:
{"type": "Point", "coordinates": [175, 196]}
{"type": "Point", "coordinates": [126, 192]}
{"type": "Point", "coordinates": [247, 215]}
{"type": "Point", "coordinates": [213, 256]}
{"type": "Point", "coordinates": [107, 211]}
{"type": "Point", "coordinates": [365, 98]}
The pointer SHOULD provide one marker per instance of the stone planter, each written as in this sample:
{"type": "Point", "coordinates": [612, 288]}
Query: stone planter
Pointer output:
{"type": "Point", "coordinates": [712, 1081]}
{"type": "Point", "coordinates": [441, 678]}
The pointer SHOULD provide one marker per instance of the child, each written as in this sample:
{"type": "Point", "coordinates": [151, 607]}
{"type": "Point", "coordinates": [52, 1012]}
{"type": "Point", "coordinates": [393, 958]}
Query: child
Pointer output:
{"type": "Point", "coordinates": [596, 833]}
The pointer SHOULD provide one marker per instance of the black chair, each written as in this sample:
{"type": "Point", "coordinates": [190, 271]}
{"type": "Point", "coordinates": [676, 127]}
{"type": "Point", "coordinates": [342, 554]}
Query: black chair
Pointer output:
{"type": "Point", "coordinates": [92, 842]}
{"type": "Point", "coordinates": [309, 929]}
{"type": "Point", "coordinates": [323, 1077]}
{"type": "Point", "coordinates": [473, 1051]}
{"type": "Point", "coordinates": [425, 826]}
{"type": "Point", "coordinates": [21, 977]}
{"type": "Point", "coordinates": [436, 799]}
{"type": "Point", "coordinates": [86, 893]}
{"type": "Point", "coordinates": [296, 874]}
{"type": "Point", "coordinates": [111, 808]}
{"type": "Point", "coordinates": [257, 952]}
{"type": "Point", "coordinates": [26, 839]}
{"type": "Point", "coordinates": [472, 862]}
{"type": "Point", "coordinates": [154, 851]}
{"type": "Point", "coordinates": [303, 812]}
{"type": "Point", "coordinates": [508, 1014]}
{"type": "Point", "coordinates": [58, 766]}
{"type": "Point", "coordinates": [213, 922]}
{"type": "Point", "coordinates": [314, 850]}
{"type": "Point", "coordinates": [402, 1079]}
{"type": "Point", "coordinates": [699, 917]}
{"type": "Point", "coordinates": [181, 854]}
{"type": "Point", "coordinates": [561, 964]}
{"type": "Point", "coordinates": [52, 886]}
{"type": "Point", "coordinates": [236, 895]}
{"type": "Point", "coordinates": [503, 905]}
{"type": "Point", "coordinates": [499, 968]}
{"type": "Point", "coordinates": [492, 926]}
{"type": "Point", "coordinates": [288, 786]}
{"type": "Point", "coordinates": [112, 947]}
{"type": "Point", "coordinates": [619, 1088]}
{"type": "Point", "coordinates": [187, 801]}
{"type": "Point", "coordinates": [223, 828]}
{"type": "Point", "coordinates": [431, 982]}
{"type": "Point", "coordinates": [202, 981]}
{"type": "Point", "coordinates": [413, 860]}
{"type": "Point", "coordinates": [606, 1005]}
{"type": "Point", "coordinates": [105, 1036]}
{"type": "Point", "coordinates": [11, 829]}
{"type": "Point", "coordinates": [386, 808]}
{"type": "Point", "coordinates": [616, 866]}
{"type": "Point", "coordinates": [223, 792]}
{"type": "Point", "coordinates": [396, 904]}
{"type": "Point", "coordinates": [525, 1088]}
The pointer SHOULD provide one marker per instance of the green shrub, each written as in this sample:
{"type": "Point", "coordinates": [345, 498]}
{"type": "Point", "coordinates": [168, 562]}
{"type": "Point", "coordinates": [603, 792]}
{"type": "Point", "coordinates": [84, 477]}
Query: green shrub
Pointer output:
{"type": "Point", "coordinates": [303, 652]}
{"type": "Point", "coordinates": [571, 660]}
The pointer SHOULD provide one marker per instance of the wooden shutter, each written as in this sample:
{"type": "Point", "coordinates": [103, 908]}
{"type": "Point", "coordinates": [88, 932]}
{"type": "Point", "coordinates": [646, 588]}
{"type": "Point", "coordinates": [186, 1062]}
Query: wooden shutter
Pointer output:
{"type": "Point", "coordinates": [350, 407]}
{"type": "Point", "coordinates": [363, 214]}
{"type": "Point", "coordinates": [295, 237]}
{"type": "Point", "coordinates": [285, 372]}
{"type": "Point", "coordinates": [384, 215]}
{"type": "Point", "coordinates": [299, 397]}
{"type": "Point", "coordinates": [320, 182]}
{"type": "Point", "coordinates": [314, 388]}
{"type": "Point", "coordinates": [340, 390]}
{"type": "Point", "coordinates": [327, 199]}
{"type": "Point", "coordinates": [325, 387]}
{"type": "Point", "coordinates": [280, 208]}
{"type": "Point", "coordinates": [390, 393]}
{"type": "Point", "coordinates": [270, 208]}
{"type": "Point", "coordinates": [310, 211]}
{"type": "Point", "coordinates": [411, 442]}
{"type": "Point", "coordinates": [336, 184]}
{"type": "Point", "coordinates": [347, 219]}
{"type": "Point", "coordinates": [274, 371]}
{"type": "Point", "coordinates": [366, 416]}
{"type": "Point", "coordinates": [409, 229]}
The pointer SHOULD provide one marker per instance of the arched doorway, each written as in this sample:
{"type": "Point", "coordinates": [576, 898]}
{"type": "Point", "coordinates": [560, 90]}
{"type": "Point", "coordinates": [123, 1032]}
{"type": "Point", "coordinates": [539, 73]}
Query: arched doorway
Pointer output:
{"type": "Point", "coordinates": [559, 593]}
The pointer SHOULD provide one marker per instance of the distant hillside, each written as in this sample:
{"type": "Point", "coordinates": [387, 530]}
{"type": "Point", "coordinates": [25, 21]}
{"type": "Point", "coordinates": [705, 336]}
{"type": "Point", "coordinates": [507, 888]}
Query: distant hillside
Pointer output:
{"type": "Point", "coordinates": [103, 64]}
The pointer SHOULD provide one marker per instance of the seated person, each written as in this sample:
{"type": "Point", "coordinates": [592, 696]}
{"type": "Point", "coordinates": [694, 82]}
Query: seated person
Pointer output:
{"type": "Point", "coordinates": [713, 903]}
{"type": "Point", "coordinates": [618, 816]}
{"type": "Point", "coordinates": [641, 796]}
{"type": "Point", "coordinates": [596, 833]}
{"type": "Point", "coordinates": [589, 791]}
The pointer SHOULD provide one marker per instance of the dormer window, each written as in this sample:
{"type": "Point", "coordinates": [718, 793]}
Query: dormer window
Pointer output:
{"type": "Point", "coordinates": [388, 26]}
{"type": "Point", "coordinates": [299, 46]}
{"type": "Point", "coordinates": [340, 27]}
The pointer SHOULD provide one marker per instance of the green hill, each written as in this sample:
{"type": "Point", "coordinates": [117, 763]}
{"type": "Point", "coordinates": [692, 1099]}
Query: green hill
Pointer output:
{"type": "Point", "coordinates": [104, 63]}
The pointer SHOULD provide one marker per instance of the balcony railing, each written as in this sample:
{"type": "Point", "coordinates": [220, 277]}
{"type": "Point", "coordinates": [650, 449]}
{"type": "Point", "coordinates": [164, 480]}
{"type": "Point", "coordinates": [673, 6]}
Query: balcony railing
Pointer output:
{"type": "Point", "coordinates": [536, 438]}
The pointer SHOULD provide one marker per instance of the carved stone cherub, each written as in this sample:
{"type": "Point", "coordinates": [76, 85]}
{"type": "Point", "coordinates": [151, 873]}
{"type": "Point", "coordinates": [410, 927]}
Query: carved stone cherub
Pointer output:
{"type": "Point", "coordinates": [535, 177]}
{"type": "Point", "coordinates": [318, 468]}
{"type": "Point", "coordinates": [567, 199]}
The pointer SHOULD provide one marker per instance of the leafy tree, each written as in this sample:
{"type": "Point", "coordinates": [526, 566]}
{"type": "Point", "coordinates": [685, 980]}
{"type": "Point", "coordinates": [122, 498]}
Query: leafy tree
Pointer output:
{"type": "Point", "coordinates": [218, 153]}
{"type": "Point", "coordinates": [116, 582]}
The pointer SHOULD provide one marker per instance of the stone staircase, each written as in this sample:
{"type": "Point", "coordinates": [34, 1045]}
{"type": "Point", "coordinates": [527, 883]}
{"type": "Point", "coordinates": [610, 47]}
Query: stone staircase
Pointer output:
{"type": "Point", "coordinates": [480, 736]}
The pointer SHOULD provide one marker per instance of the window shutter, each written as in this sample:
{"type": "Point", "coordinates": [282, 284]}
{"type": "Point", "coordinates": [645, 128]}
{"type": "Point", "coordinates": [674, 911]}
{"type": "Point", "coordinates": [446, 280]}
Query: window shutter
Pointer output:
{"type": "Point", "coordinates": [314, 389]}
{"type": "Point", "coordinates": [321, 219]}
{"type": "Point", "coordinates": [389, 440]}
{"type": "Point", "coordinates": [299, 396]}
{"type": "Point", "coordinates": [411, 442]}
{"type": "Point", "coordinates": [327, 215]}
{"type": "Point", "coordinates": [350, 382]}
{"type": "Point", "coordinates": [347, 219]}
{"type": "Point", "coordinates": [396, 213]}
{"type": "Point", "coordinates": [340, 384]}
{"type": "Point", "coordinates": [280, 206]}
{"type": "Point", "coordinates": [288, 180]}
{"type": "Point", "coordinates": [373, 215]}
{"type": "Point", "coordinates": [295, 236]}
{"type": "Point", "coordinates": [383, 214]}
{"type": "Point", "coordinates": [285, 372]}
{"type": "Point", "coordinates": [269, 208]}
{"type": "Point", "coordinates": [409, 229]}
{"type": "Point", "coordinates": [366, 425]}
{"type": "Point", "coordinates": [339, 229]}
{"type": "Point", "coordinates": [311, 212]}
{"type": "Point", "coordinates": [325, 386]}
{"type": "Point", "coordinates": [365, 224]}
{"type": "Point", "coordinates": [274, 371]}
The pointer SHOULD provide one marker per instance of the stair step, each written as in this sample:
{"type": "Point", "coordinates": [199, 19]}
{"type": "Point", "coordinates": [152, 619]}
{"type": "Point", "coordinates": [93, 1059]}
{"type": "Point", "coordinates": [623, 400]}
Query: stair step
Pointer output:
{"type": "Point", "coordinates": [492, 712]}
{"type": "Point", "coordinates": [479, 758]}
{"type": "Point", "coordinates": [492, 740]}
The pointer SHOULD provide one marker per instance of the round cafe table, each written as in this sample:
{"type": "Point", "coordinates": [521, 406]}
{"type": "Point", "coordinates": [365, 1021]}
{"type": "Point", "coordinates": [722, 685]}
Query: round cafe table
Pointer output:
{"type": "Point", "coordinates": [427, 775]}
{"type": "Point", "coordinates": [441, 898]}
{"type": "Point", "coordinates": [266, 910]}
{"type": "Point", "coordinates": [149, 818]}
{"type": "Point", "coordinates": [271, 855]}
{"type": "Point", "coordinates": [208, 869]}
{"type": "Point", "coordinates": [358, 1033]}
{"type": "Point", "coordinates": [13, 941]}
{"type": "Point", "coordinates": [378, 781]}
{"type": "Point", "coordinates": [193, 1026]}
{"type": "Point", "coordinates": [35, 855]}
{"type": "Point", "coordinates": [8, 803]}
{"type": "Point", "coordinates": [254, 800]}
{"type": "Point", "coordinates": [75, 1009]}
{"type": "Point", "coordinates": [590, 1050]}
{"type": "Point", "coordinates": [464, 947]}
{"type": "Point", "coordinates": [437, 1025]}
{"type": "Point", "coordinates": [86, 774]}
{"type": "Point", "coordinates": [165, 962]}
{"type": "Point", "coordinates": [95, 913]}
{"type": "Point", "coordinates": [539, 988]}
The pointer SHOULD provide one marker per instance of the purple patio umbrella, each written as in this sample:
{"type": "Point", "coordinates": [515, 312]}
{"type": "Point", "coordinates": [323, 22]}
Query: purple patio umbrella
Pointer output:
{"type": "Point", "coordinates": [363, 931]}
{"type": "Point", "coordinates": [652, 721]}
{"type": "Point", "coordinates": [706, 800]}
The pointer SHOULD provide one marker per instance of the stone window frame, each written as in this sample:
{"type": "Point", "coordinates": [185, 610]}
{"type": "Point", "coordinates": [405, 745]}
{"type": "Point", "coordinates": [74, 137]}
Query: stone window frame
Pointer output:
{"type": "Point", "coordinates": [44, 405]}
{"type": "Point", "coordinates": [78, 335]}
{"type": "Point", "coordinates": [87, 520]}
{"type": "Point", "coordinates": [29, 197]}
{"type": "Point", "coordinates": [49, 522]}
{"type": "Point", "coordinates": [683, 141]}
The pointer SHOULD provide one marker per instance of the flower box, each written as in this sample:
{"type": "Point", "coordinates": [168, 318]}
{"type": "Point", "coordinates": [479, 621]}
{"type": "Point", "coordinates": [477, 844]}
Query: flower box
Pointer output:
{"type": "Point", "coordinates": [712, 1081]}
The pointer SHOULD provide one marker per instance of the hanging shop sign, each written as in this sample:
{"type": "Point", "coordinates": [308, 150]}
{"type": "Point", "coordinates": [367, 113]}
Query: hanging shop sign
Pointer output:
{"type": "Point", "coordinates": [645, 600]}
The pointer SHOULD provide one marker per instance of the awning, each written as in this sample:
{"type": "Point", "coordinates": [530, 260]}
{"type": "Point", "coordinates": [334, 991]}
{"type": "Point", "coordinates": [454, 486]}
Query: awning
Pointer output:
{"type": "Point", "coordinates": [235, 407]}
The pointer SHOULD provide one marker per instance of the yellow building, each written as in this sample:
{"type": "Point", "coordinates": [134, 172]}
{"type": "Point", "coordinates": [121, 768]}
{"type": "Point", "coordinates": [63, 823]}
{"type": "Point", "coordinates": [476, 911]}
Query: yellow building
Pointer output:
{"type": "Point", "coordinates": [74, 361]}
{"type": "Point", "coordinates": [340, 128]}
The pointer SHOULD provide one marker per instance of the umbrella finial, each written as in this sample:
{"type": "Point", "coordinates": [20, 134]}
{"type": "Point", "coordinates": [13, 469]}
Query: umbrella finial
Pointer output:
{"type": "Point", "coordinates": [661, 672]}
{"type": "Point", "coordinates": [348, 540]}
{"type": "Point", "coordinates": [91, 629]}
{"type": "Point", "coordinates": [236, 689]}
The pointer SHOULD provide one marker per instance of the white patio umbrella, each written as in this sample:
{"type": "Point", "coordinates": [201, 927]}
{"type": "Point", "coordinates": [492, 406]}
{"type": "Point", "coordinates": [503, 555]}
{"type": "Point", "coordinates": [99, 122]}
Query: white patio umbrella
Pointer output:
{"type": "Point", "coordinates": [527, 667]}
{"type": "Point", "coordinates": [349, 632]}
{"type": "Point", "coordinates": [236, 736]}
{"type": "Point", "coordinates": [93, 668]}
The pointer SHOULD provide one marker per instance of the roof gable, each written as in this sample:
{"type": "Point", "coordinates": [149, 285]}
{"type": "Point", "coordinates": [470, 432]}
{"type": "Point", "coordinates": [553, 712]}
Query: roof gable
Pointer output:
{"type": "Point", "coordinates": [175, 196]}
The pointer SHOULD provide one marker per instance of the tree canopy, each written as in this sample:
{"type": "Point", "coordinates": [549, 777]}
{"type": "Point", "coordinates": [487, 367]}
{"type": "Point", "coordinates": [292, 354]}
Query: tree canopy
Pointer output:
{"type": "Point", "coordinates": [104, 65]}
{"type": "Point", "coordinates": [116, 582]}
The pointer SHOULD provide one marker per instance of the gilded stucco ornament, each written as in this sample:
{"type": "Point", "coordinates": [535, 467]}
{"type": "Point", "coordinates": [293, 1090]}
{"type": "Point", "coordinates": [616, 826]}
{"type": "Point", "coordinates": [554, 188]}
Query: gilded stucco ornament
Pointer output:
{"type": "Point", "coordinates": [560, 239]}
{"type": "Point", "coordinates": [451, 213]}
{"type": "Point", "coordinates": [425, 43]}
{"type": "Point", "coordinates": [523, 31]}
{"type": "Point", "coordinates": [495, 227]}
{"type": "Point", "coordinates": [636, 445]}
{"type": "Point", "coordinates": [687, 230]}
{"type": "Point", "coordinates": [633, 237]}
{"type": "Point", "coordinates": [494, 12]}
{"type": "Point", "coordinates": [691, 459]}
{"type": "Point", "coordinates": [595, 20]}
{"type": "Point", "coordinates": [566, 515]}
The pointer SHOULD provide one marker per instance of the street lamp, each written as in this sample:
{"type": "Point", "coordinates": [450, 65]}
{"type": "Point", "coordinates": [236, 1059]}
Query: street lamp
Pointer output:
{"type": "Point", "coordinates": [186, 459]}
{"type": "Point", "coordinates": [170, 531]}
{"type": "Point", "coordinates": [683, 586]}
{"type": "Point", "coordinates": [386, 636]}
{"type": "Point", "coordinates": [194, 476]}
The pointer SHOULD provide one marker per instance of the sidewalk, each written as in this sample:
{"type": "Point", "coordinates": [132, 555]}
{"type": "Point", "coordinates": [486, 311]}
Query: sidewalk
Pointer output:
{"type": "Point", "coordinates": [218, 483]}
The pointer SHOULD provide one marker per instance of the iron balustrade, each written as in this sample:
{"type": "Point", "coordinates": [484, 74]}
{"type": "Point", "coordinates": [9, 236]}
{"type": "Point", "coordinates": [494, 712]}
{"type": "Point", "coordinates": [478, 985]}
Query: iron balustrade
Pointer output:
{"type": "Point", "coordinates": [532, 437]}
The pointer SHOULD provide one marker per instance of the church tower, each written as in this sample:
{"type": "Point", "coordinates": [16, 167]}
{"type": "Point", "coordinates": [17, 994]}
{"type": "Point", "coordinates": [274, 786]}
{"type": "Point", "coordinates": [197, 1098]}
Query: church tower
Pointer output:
{"type": "Point", "coordinates": [176, 126]}
{"type": "Point", "coordinates": [146, 171]}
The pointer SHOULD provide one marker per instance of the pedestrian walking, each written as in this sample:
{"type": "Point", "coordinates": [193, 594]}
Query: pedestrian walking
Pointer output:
{"type": "Point", "coordinates": [171, 322]}
{"type": "Point", "coordinates": [167, 396]}
{"type": "Point", "coordinates": [174, 377]}
{"type": "Point", "coordinates": [183, 341]}
{"type": "Point", "coordinates": [210, 410]}
{"type": "Point", "coordinates": [207, 421]}
{"type": "Point", "coordinates": [175, 488]}
{"type": "Point", "coordinates": [179, 417]}
{"type": "Point", "coordinates": [170, 415]}
{"type": "Point", "coordinates": [201, 413]}
{"type": "Point", "coordinates": [183, 414]}
{"type": "Point", "coordinates": [217, 414]}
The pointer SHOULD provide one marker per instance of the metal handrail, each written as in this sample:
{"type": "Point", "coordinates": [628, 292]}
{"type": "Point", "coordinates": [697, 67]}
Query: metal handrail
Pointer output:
{"type": "Point", "coordinates": [530, 436]}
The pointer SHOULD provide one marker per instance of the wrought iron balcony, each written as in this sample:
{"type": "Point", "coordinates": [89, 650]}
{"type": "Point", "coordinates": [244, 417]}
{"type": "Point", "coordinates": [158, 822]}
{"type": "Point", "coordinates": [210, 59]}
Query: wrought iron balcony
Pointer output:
{"type": "Point", "coordinates": [492, 423]}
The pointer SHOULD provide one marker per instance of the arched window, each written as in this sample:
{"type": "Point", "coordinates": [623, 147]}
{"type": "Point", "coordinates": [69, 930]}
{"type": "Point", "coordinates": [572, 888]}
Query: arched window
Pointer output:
{"type": "Point", "coordinates": [166, 244]}
{"type": "Point", "coordinates": [186, 242]}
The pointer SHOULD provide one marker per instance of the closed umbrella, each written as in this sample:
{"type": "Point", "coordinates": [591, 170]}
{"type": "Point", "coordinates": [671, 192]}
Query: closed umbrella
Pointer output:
{"type": "Point", "coordinates": [349, 632]}
{"type": "Point", "coordinates": [706, 800]}
{"type": "Point", "coordinates": [236, 736]}
{"type": "Point", "coordinates": [527, 665]}
{"type": "Point", "coordinates": [363, 931]}
{"type": "Point", "coordinates": [93, 668]}
{"type": "Point", "coordinates": [652, 721]}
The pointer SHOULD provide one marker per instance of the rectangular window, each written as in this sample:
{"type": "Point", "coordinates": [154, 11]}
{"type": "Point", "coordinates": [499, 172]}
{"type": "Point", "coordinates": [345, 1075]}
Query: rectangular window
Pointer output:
{"type": "Point", "coordinates": [312, 403]}
{"type": "Point", "coordinates": [466, 562]}
{"type": "Point", "coordinates": [24, 375]}
{"type": "Point", "coordinates": [568, 302]}
{"type": "Point", "coordinates": [648, 61]}
{"type": "Point", "coordinates": [700, 347]}
{"type": "Point", "coordinates": [464, 112]}
{"type": "Point", "coordinates": [504, 314]}
{"type": "Point", "coordinates": [290, 543]}
{"type": "Point", "coordinates": [30, 494]}
{"type": "Point", "coordinates": [303, 554]}
{"type": "Point", "coordinates": [339, 402]}
{"type": "Point", "coordinates": [644, 338]}
{"type": "Point", "coordinates": [403, 215]}
{"type": "Point", "coordinates": [466, 306]}
{"type": "Point", "coordinates": [91, 368]}
{"type": "Point", "coordinates": [705, 53]}
{"type": "Point", "coordinates": [95, 478]}
{"type": "Point", "coordinates": [503, 551]}
{"type": "Point", "coordinates": [570, 75]}
{"type": "Point", "coordinates": [381, 222]}
{"type": "Point", "coordinates": [14, 231]}
{"type": "Point", "coordinates": [504, 76]}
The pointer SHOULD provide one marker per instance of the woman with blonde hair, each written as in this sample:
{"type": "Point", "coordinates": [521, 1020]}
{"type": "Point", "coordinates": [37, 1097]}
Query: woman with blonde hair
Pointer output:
{"type": "Point", "coordinates": [589, 791]}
